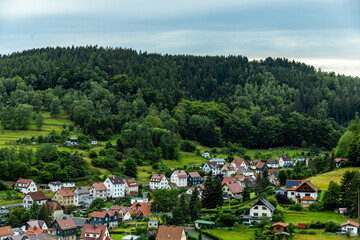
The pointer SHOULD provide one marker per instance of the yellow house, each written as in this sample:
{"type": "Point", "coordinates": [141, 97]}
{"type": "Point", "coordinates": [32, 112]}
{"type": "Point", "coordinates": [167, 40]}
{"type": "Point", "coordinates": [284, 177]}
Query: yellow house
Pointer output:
{"type": "Point", "coordinates": [65, 197]}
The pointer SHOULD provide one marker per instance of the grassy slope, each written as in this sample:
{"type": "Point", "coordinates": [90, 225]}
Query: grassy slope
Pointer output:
{"type": "Point", "coordinates": [307, 216]}
{"type": "Point", "coordinates": [322, 180]}
{"type": "Point", "coordinates": [248, 233]}
{"type": "Point", "coordinates": [320, 235]}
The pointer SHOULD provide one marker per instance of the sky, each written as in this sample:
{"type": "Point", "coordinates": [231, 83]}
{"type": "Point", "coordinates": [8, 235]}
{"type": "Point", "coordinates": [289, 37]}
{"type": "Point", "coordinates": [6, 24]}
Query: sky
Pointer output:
{"type": "Point", "coordinates": [323, 33]}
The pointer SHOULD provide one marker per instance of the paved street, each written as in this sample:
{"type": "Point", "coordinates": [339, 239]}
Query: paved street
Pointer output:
{"type": "Point", "coordinates": [195, 234]}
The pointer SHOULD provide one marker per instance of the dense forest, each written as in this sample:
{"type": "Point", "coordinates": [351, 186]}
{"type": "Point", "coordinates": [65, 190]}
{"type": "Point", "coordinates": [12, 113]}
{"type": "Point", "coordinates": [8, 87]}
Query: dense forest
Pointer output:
{"type": "Point", "coordinates": [153, 101]}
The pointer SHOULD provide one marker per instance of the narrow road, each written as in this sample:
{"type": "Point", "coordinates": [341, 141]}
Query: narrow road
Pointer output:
{"type": "Point", "coordinates": [195, 234]}
{"type": "Point", "coordinates": [13, 205]}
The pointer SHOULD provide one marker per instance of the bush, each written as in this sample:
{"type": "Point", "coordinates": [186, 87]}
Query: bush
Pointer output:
{"type": "Point", "coordinates": [312, 233]}
{"type": "Point", "coordinates": [282, 198]}
{"type": "Point", "coordinates": [303, 232]}
{"type": "Point", "coordinates": [317, 225]}
{"type": "Point", "coordinates": [296, 207]}
{"type": "Point", "coordinates": [332, 226]}
{"type": "Point", "coordinates": [188, 146]}
{"type": "Point", "coordinates": [291, 201]}
{"type": "Point", "coordinates": [273, 201]}
{"type": "Point", "coordinates": [316, 207]}
{"type": "Point", "coordinates": [226, 219]}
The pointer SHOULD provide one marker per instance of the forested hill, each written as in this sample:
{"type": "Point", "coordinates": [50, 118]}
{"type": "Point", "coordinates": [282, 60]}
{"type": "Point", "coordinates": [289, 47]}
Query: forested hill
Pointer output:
{"type": "Point", "coordinates": [212, 100]}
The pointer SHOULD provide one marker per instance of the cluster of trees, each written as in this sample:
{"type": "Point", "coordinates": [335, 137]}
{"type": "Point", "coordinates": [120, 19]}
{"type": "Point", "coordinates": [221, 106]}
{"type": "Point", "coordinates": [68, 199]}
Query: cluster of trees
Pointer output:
{"type": "Point", "coordinates": [45, 165]}
{"type": "Point", "coordinates": [107, 91]}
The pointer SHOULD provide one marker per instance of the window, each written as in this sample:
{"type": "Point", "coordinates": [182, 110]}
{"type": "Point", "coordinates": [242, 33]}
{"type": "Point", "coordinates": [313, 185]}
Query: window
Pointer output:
{"type": "Point", "coordinates": [307, 194]}
{"type": "Point", "coordinates": [264, 208]}
{"type": "Point", "coordinates": [264, 214]}
{"type": "Point", "coordinates": [256, 207]}
{"type": "Point", "coordinates": [292, 193]}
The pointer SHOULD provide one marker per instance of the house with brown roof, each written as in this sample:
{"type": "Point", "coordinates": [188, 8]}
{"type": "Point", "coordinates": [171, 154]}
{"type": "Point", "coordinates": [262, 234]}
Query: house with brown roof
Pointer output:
{"type": "Point", "coordinates": [6, 232]}
{"type": "Point", "coordinates": [228, 170]}
{"type": "Point", "coordinates": [260, 166]}
{"type": "Point", "coordinates": [55, 209]}
{"type": "Point", "coordinates": [240, 163]}
{"type": "Point", "coordinates": [63, 228]}
{"type": "Point", "coordinates": [109, 218]}
{"type": "Point", "coordinates": [285, 160]}
{"type": "Point", "coordinates": [279, 227]}
{"type": "Point", "coordinates": [254, 163]}
{"type": "Point", "coordinates": [25, 185]}
{"type": "Point", "coordinates": [99, 190]}
{"type": "Point", "coordinates": [171, 233]}
{"type": "Point", "coordinates": [200, 188]}
{"type": "Point", "coordinates": [351, 227]}
{"type": "Point", "coordinates": [65, 197]}
{"type": "Point", "coordinates": [141, 208]}
{"type": "Point", "coordinates": [272, 163]}
{"type": "Point", "coordinates": [341, 162]}
{"type": "Point", "coordinates": [212, 167]}
{"type": "Point", "coordinates": [159, 181]}
{"type": "Point", "coordinates": [179, 177]}
{"type": "Point", "coordinates": [38, 197]}
{"type": "Point", "coordinates": [301, 191]}
{"type": "Point", "coordinates": [131, 187]}
{"type": "Point", "coordinates": [35, 231]}
{"type": "Point", "coordinates": [232, 189]}
{"type": "Point", "coordinates": [194, 178]}
{"type": "Point", "coordinates": [92, 231]}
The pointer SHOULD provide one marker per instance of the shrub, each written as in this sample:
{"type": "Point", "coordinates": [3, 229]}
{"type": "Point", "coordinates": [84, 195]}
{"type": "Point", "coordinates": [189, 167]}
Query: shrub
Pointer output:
{"type": "Point", "coordinates": [317, 225]}
{"type": "Point", "coordinates": [226, 219]}
{"type": "Point", "coordinates": [296, 207]}
{"type": "Point", "coordinates": [312, 233]}
{"type": "Point", "coordinates": [282, 198]}
{"type": "Point", "coordinates": [188, 146]}
{"type": "Point", "coordinates": [317, 207]}
{"type": "Point", "coordinates": [303, 232]}
{"type": "Point", "coordinates": [331, 226]}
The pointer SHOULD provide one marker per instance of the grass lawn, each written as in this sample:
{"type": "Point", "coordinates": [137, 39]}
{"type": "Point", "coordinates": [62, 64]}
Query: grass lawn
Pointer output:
{"type": "Point", "coordinates": [322, 180]}
{"type": "Point", "coordinates": [307, 216]}
{"type": "Point", "coordinates": [320, 235]}
{"type": "Point", "coordinates": [247, 233]}
{"type": "Point", "coordinates": [186, 158]}
{"type": "Point", "coordinates": [10, 197]}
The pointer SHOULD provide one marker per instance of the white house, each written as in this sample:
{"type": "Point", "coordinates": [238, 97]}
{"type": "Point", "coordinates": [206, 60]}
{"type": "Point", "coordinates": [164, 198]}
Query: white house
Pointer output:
{"type": "Point", "coordinates": [179, 177]}
{"type": "Point", "coordinates": [227, 170]}
{"type": "Point", "coordinates": [38, 197]}
{"type": "Point", "coordinates": [272, 163]}
{"type": "Point", "coordinates": [54, 186]}
{"type": "Point", "coordinates": [284, 159]}
{"type": "Point", "coordinates": [206, 155]}
{"type": "Point", "coordinates": [25, 185]}
{"type": "Point", "coordinates": [301, 191]}
{"type": "Point", "coordinates": [240, 162]}
{"type": "Point", "coordinates": [93, 142]}
{"type": "Point", "coordinates": [262, 208]}
{"type": "Point", "coordinates": [127, 216]}
{"type": "Point", "coordinates": [159, 181]}
{"type": "Point", "coordinates": [82, 196]}
{"type": "Point", "coordinates": [68, 185]}
{"type": "Point", "coordinates": [99, 190]}
{"type": "Point", "coordinates": [350, 226]}
{"type": "Point", "coordinates": [220, 161]}
{"type": "Point", "coordinates": [212, 167]}
{"type": "Point", "coordinates": [139, 199]}
{"type": "Point", "coordinates": [131, 186]}
{"type": "Point", "coordinates": [115, 186]}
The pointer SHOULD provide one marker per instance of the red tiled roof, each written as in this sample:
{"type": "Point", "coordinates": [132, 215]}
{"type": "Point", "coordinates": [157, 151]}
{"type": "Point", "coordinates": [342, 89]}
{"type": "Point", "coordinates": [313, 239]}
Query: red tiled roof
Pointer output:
{"type": "Point", "coordinates": [38, 196]}
{"type": "Point", "coordinates": [116, 208]}
{"type": "Point", "coordinates": [350, 223]}
{"type": "Point", "coordinates": [302, 226]}
{"type": "Point", "coordinates": [35, 230]}
{"type": "Point", "coordinates": [337, 160]}
{"type": "Point", "coordinates": [93, 229]}
{"type": "Point", "coordinates": [227, 179]}
{"type": "Point", "coordinates": [131, 182]}
{"type": "Point", "coordinates": [280, 224]}
{"type": "Point", "coordinates": [134, 194]}
{"type": "Point", "coordinates": [54, 206]}
{"type": "Point", "coordinates": [235, 188]}
{"type": "Point", "coordinates": [271, 161]}
{"type": "Point", "coordinates": [302, 182]}
{"type": "Point", "coordinates": [98, 214]}
{"type": "Point", "coordinates": [66, 192]}
{"type": "Point", "coordinates": [194, 174]}
{"type": "Point", "coordinates": [169, 233]}
{"type": "Point", "coordinates": [23, 181]}
{"type": "Point", "coordinates": [66, 224]}
{"type": "Point", "coordinates": [260, 164]}
{"type": "Point", "coordinates": [181, 174]}
{"type": "Point", "coordinates": [156, 177]}
{"type": "Point", "coordinates": [99, 186]}
{"type": "Point", "coordinates": [308, 198]}
{"type": "Point", "coordinates": [238, 161]}
{"type": "Point", "coordinates": [6, 231]}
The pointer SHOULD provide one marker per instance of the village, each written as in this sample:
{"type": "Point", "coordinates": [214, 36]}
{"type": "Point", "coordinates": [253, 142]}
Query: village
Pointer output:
{"type": "Point", "coordinates": [72, 214]}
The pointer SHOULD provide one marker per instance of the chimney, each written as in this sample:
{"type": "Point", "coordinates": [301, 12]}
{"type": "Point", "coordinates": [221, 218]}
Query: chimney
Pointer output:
{"type": "Point", "coordinates": [93, 226]}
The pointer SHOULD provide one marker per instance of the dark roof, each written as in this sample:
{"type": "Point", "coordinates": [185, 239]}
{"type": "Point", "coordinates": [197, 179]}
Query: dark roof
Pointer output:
{"type": "Point", "coordinates": [36, 237]}
{"type": "Point", "coordinates": [82, 190]}
{"type": "Point", "coordinates": [38, 196]}
{"type": "Point", "coordinates": [116, 180]}
{"type": "Point", "coordinates": [79, 222]}
{"type": "Point", "coordinates": [286, 158]}
{"type": "Point", "coordinates": [266, 203]}
{"type": "Point", "coordinates": [194, 175]}
{"type": "Point", "coordinates": [291, 183]}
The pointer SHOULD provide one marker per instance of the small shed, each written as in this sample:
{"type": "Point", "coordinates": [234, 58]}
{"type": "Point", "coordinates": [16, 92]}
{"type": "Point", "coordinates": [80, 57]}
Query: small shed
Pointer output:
{"type": "Point", "coordinates": [153, 224]}
{"type": "Point", "coordinates": [279, 227]}
{"type": "Point", "coordinates": [280, 190]}
{"type": "Point", "coordinates": [203, 224]}
{"type": "Point", "coordinates": [302, 226]}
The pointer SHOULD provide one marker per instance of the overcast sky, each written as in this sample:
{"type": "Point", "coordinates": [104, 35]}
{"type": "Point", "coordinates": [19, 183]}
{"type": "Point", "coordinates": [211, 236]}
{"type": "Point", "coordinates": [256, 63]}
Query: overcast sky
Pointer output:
{"type": "Point", "coordinates": [324, 33]}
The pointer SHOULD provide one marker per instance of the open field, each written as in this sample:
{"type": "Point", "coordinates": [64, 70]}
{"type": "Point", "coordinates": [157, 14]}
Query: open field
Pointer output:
{"type": "Point", "coordinates": [322, 180]}
{"type": "Point", "coordinates": [307, 216]}
{"type": "Point", "coordinates": [10, 197]}
{"type": "Point", "coordinates": [247, 233]}
{"type": "Point", "coordinates": [320, 235]}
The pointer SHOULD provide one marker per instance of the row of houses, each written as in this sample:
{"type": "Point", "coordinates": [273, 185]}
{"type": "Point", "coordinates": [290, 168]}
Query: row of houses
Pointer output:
{"type": "Point", "coordinates": [179, 179]}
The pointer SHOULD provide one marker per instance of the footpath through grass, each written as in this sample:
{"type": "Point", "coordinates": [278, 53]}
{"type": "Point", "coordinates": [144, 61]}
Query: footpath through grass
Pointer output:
{"type": "Point", "coordinates": [322, 180]}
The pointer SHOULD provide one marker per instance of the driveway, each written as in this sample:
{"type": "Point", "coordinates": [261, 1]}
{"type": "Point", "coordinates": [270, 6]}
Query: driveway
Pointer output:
{"type": "Point", "coordinates": [195, 234]}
